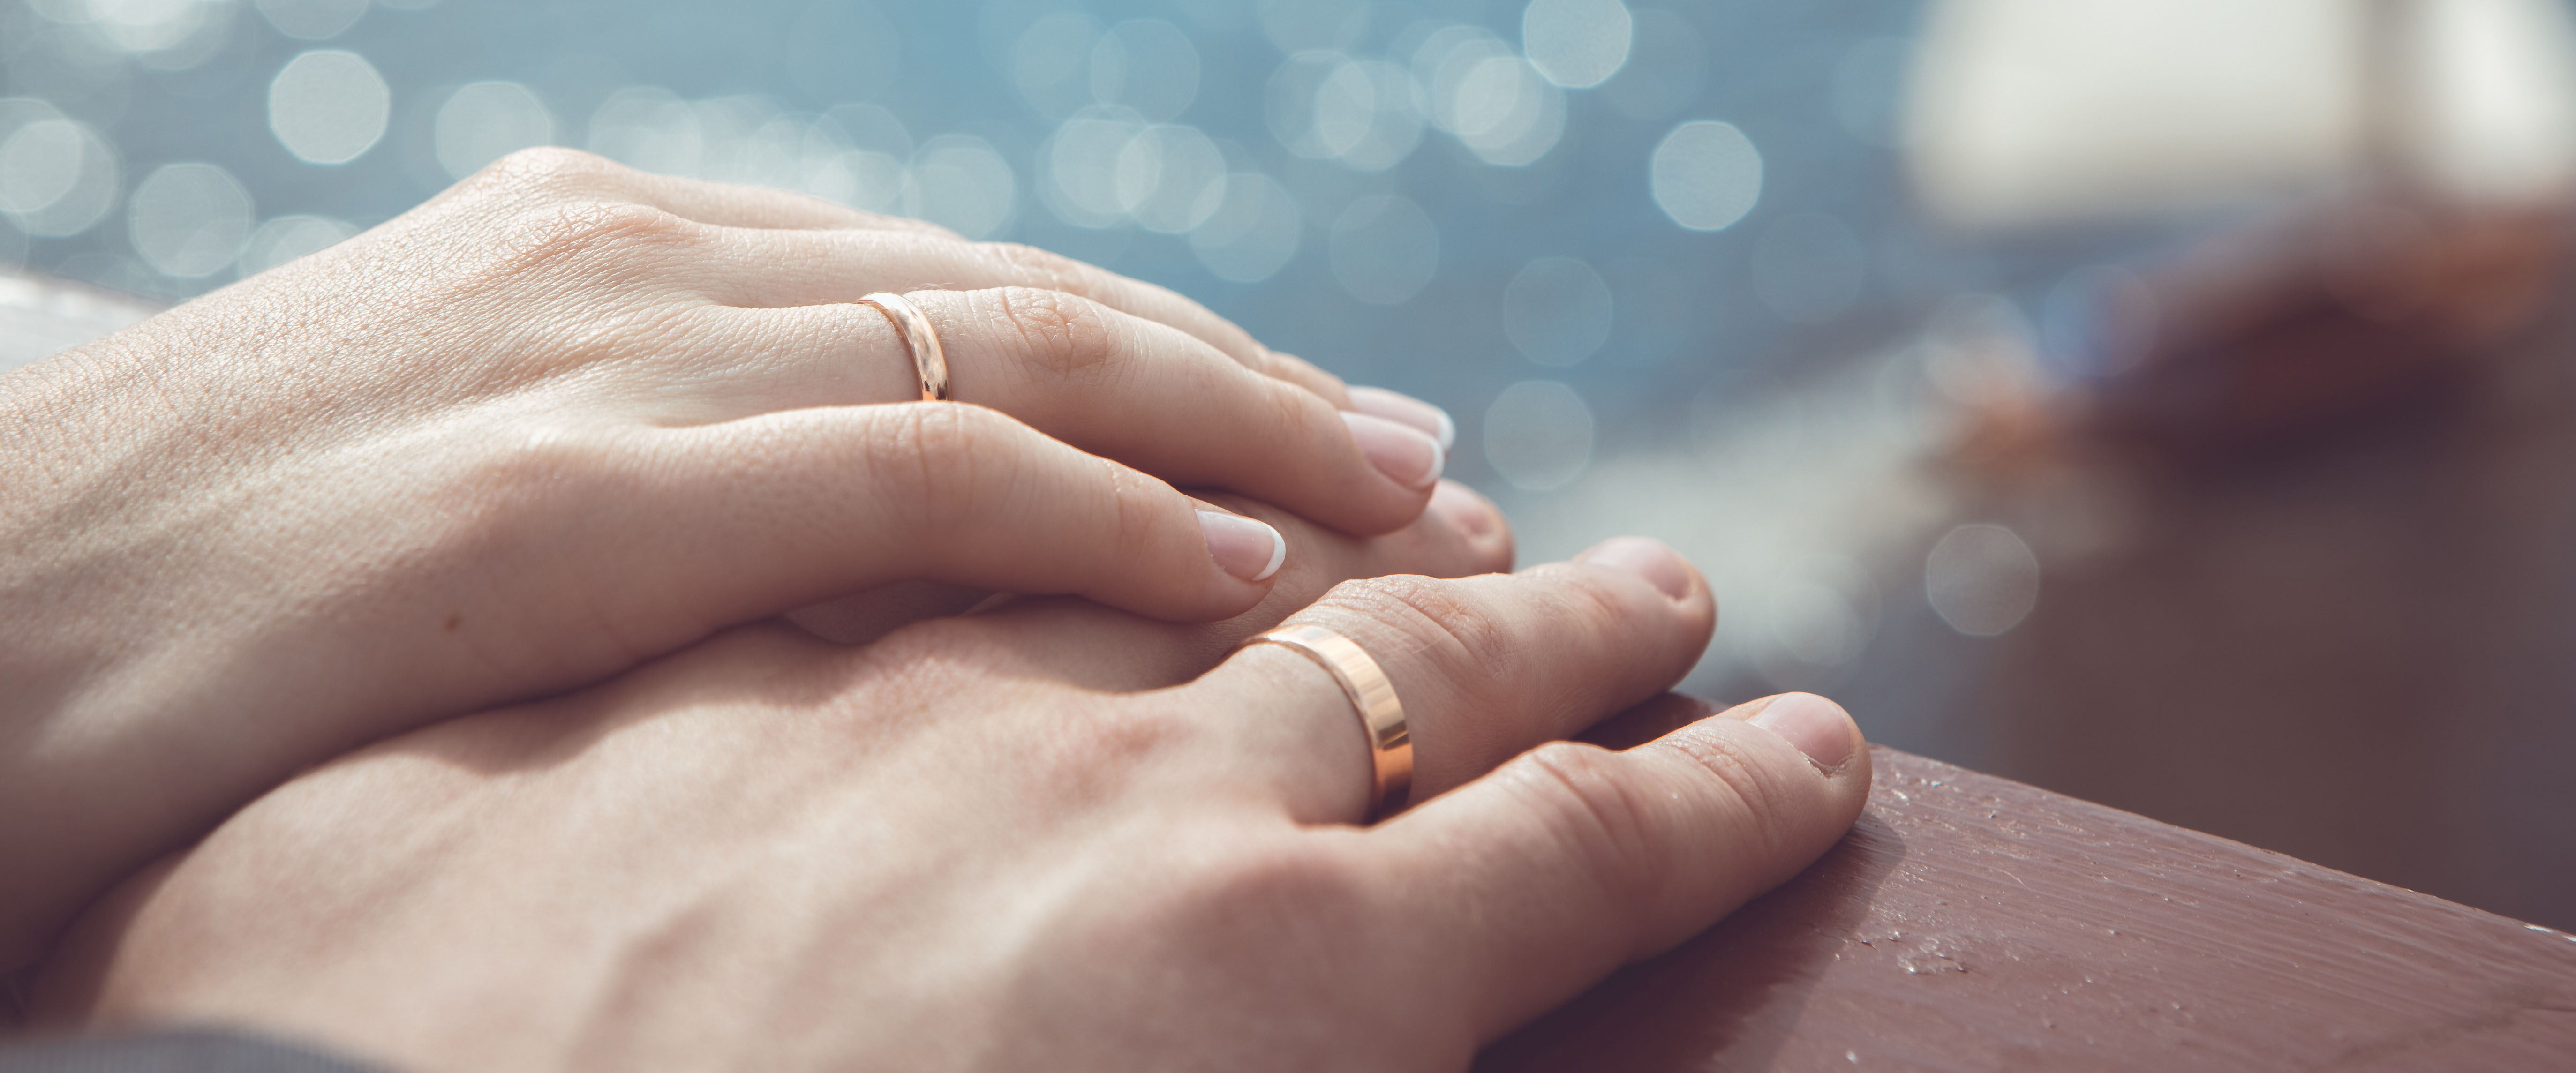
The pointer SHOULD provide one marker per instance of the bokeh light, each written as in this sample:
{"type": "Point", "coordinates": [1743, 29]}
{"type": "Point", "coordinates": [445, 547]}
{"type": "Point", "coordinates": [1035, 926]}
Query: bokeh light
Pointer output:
{"type": "Point", "coordinates": [1163, 178]}
{"type": "Point", "coordinates": [1981, 579]}
{"type": "Point", "coordinates": [1706, 175]}
{"type": "Point", "coordinates": [1302, 25]}
{"type": "Point", "coordinates": [39, 160]}
{"type": "Point", "coordinates": [1506, 112]}
{"type": "Point", "coordinates": [312, 20]}
{"type": "Point", "coordinates": [1577, 44]}
{"type": "Point", "coordinates": [1082, 165]}
{"type": "Point", "coordinates": [485, 121]}
{"type": "Point", "coordinates": [328, 106]}
{"type": "Point", "coordinates": [58, 177]}
{"type": "Point", "coordinates": [959, 182]}
{"type": "Point", "coordinates": [167, 35]}
{"type": "Point", "coordinates": [189, 220]}
{"type": "Point", "coordinates": [1538, 435]}
{"type": "Point", "coordinates": [1254, 231]}
{"type": "Point", "coordinates": [1328, 106]}
{"type": "Point", "coordinates": [287, 238]}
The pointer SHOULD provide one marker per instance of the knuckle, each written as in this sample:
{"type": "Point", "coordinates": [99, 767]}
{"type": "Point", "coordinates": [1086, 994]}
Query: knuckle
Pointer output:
{"type": "Point", "coordinates": [1055, 332]}
{"type": "Point", "coordinates": [542, 464]}
{"type": "Point", "coordinates": [1257, 886]}
{"type": "Point", "coordinates": [1221, 898]}
{"type": "Point", "coordinates": [524, 483]}
{"type": "Point", "coordinates": [1583, 601]}
{"type": "Point", "coordinates": [1300, 372]}
{"type": "Point", "coordinates": [1597, 817]}
{"type": "Point", "coordinates": [1428, 616]}
{"type": "Point", "coordinates": [1139, 503]}
{"type": "Point", "coordinates": [929, 463]}
{"type": "Point", "coordinates": [1739, 786]}
{"type": "Point", "coordinates": [547, 170]}
{"type": "Point", "coordinates": [1101, 752]}
{"type": "Point", "coordinates": [554, 163]}
{"type": "Point", "coordinates": [1293, 410]}
{"type": "Point", "coordinates": [1292, 367]}
{"type": "Point", "coordinates": [598, 236]}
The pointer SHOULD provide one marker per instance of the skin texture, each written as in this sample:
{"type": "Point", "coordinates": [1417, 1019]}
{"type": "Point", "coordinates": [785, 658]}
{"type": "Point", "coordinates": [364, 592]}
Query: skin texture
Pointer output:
{"type": "Point", "coordinates": [563, 419]}
{"type": "Point", "coordinates": [1055, 835]}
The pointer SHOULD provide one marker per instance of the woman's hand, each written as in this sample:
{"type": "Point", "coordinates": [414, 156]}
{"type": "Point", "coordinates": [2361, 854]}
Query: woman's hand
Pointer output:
{"type": "Point", "coordinates": [1009, 841]}
{"type": "Point", "coordinates": [562, 419]}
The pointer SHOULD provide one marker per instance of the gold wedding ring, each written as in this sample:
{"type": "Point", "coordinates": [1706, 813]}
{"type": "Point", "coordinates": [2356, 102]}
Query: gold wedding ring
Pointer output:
{"type": "Point", "coordinates": [919, 338]}
{"type": "Point", "coordinates": [1390, 742]}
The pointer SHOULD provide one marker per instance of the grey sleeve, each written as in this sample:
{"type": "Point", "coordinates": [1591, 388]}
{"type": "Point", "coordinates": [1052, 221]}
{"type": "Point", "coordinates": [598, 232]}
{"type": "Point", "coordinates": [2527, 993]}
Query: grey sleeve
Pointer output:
{"type": "Point", "coordinates": [194, 1050]}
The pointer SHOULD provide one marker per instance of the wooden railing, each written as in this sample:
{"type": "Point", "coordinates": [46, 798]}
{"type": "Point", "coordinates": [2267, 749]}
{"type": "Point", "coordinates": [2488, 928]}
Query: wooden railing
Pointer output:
{"type": "Point", "coordinates": [1973, 923]}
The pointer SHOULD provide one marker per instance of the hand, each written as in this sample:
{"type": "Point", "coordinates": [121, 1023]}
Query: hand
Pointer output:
{"type": "Point", "coordinates": [562, 419]}
{"type": "Point", "coordinates": [1007, 842]}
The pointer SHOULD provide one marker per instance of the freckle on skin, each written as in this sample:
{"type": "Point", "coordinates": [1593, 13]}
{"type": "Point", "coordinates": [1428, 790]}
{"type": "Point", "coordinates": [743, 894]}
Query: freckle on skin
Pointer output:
{"type": "Point", "coordinates": [454, 621]}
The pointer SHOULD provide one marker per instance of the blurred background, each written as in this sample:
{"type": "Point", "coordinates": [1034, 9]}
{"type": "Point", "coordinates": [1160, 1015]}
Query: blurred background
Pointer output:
{"type": "Point", "coordinates": [2162, 401]}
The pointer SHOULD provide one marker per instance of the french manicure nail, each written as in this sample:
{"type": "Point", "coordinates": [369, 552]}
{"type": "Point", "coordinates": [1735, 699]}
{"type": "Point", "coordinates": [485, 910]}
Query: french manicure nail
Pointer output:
{"type": "Point", "coordinates": [1406, 410]}
{"type": "Point", "coordinates": [1815, 725]}
{"type": "Point", "coordinates": [1246, 548]}
{"type": "Point", "coordinates": [1648, 559]}
{"type": "Point", "coordinates": [1405, 454]}
{"type": "Point", "coordinates": [1463, 509]}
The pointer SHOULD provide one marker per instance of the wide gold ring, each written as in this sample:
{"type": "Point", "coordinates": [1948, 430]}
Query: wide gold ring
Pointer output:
{"type": "Point", "coordinates": [918, 337]}
{"type": "Point", "coordinates": [1373, 696]}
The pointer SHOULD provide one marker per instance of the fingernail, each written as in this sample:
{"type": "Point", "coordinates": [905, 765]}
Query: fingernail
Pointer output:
{"type": "Point", "coordinates": [1404, 409]}
{"type": "Point", "coordinates": [1648, 559]}
{"type": "Point", "coordinates": [1464, 510]}
{"type": "Point", "coordinates": [1406, 454]}
{"type": "Point", "coordinates": [1246, 548]}
{"type": "Point", "coordinates": [1815, 725]}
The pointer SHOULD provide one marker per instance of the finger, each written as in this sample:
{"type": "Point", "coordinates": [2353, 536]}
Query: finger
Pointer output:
{"type": "Point", "coordinates": [1408, 411]}
{"type": "Point", "coordinates": [1109, 382]}
{"type": "Point", "coordinates": [1485, 668]}
{"type": "Point", "coordinates": [1087, 645]}
{"type": "Point", "coordinates": [1536, 881]}
{"type": "Point", "coordinates": [810, 268]}
{"type": "Point", "coordinates": [789, 508]}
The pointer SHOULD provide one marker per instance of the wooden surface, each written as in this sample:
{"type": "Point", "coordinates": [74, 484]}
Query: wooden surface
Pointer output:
{"type": "Point", "coordinates": [2359, 649]}
{"type": "Point", "coordinates": [1973, 923]}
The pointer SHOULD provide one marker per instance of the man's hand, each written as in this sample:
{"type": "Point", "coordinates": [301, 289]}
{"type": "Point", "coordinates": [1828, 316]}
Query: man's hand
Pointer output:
{"type": "Point", "coordinates": [1036, 838]}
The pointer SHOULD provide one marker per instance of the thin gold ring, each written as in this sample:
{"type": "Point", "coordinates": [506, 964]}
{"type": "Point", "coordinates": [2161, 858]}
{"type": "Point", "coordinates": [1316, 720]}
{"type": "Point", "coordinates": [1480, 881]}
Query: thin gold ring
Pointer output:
{"type": "Point", "coordinates": [918, 337]}
{"type": "Point", "coordinates": [1372, 696]}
